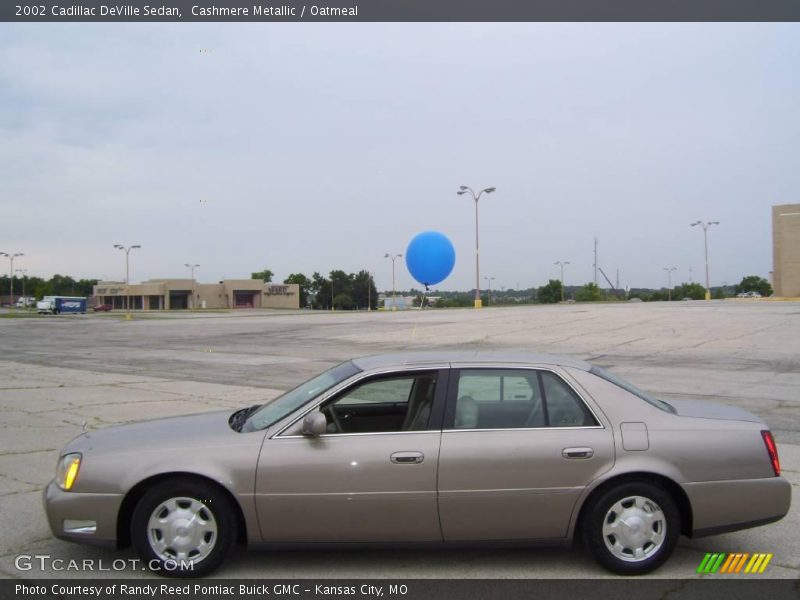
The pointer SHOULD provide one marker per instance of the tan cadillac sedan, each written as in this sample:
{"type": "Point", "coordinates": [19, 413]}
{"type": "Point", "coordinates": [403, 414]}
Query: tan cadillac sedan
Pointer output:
{"type": "Point", "coordinates": [435, 449]}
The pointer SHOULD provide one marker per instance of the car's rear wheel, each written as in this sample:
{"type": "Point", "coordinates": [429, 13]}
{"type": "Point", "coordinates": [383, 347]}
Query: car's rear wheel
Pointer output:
{"type": "Point", "coordinates": [632, 529]}
{"type": "Point", "coordinates": [183, 528]}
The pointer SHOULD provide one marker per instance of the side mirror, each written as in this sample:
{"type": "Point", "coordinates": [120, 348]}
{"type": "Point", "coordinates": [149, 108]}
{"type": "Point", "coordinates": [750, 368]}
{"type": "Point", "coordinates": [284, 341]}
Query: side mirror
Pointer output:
{"type": "Point", "coordinates": [314, 424]}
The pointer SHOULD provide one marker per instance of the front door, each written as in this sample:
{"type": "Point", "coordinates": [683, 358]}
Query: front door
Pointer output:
{"type": "Point", "coordinates": [371, 478]}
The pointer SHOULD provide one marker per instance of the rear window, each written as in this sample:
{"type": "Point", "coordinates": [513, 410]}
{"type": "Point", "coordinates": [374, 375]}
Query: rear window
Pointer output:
{"type": "Point", "coordinates": [629, 387]}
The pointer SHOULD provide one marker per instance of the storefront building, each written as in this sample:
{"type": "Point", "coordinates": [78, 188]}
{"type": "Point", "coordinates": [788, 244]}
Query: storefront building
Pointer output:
{"type": "Point", "coordinates": [177, 294]}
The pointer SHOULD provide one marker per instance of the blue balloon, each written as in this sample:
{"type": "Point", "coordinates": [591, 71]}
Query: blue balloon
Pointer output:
{"type": "Point", "coordinates": [430, 257]}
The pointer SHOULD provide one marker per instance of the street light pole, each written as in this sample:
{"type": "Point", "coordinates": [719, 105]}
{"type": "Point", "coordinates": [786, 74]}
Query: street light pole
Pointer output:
{"type": "Point", "coordinates": [669, 271]}
{"type": "Point", "coordinates": [394, 257]}
{"type": "Point", "coordinates": [489, 296]}
{"type": "Point", "coordinates": [468, 190]}
{"type": "Point", "coordinates": [558, 262]}
{"type": "Point", "coordinates": [705, 226]}
{"type": "Point", "coordinates": [192, 268]}
{"type": "Point", "coordinates": [11, 257]}
{"type": "Point", "coordinates": [127, 251]}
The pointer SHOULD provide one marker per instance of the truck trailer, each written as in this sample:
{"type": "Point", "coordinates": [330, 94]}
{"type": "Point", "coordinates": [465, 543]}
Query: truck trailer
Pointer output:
{"type": "Point", "coordinates": [56, 305]}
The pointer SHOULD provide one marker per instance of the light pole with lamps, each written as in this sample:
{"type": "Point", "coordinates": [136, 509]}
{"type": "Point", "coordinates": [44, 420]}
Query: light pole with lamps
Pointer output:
{"type": "Point", "coordinates": [489, 295]}
{"type": "Point", "coordinates": [705, 226]}
{"type": "Point", "coordinates": [191, 267]}
{"type": "Point", "coordinates": [669, 271]}
{"type": "Point", "coordinates": [561, 264]}
{"type": "Point", "coordinates": [468, 190]}
{"type": "Point", "coordinates": [394, 257]}
{"type": "Point", "coordinates": [127, 251]}
{"type": "Point", "coordinates": [11, 257]}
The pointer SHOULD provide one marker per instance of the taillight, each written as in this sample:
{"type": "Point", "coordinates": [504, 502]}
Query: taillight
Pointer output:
{"type": "Point", "coordinates": [772, 450]}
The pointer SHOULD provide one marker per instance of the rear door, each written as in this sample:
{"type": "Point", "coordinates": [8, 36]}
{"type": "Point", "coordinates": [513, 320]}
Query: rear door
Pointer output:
{"type": "Point", "coordinates": [518, 448]}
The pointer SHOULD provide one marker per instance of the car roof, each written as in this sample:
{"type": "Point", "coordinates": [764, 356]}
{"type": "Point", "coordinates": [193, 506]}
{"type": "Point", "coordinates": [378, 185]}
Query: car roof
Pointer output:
{"type": "Point", "coordinates": [479, 357]}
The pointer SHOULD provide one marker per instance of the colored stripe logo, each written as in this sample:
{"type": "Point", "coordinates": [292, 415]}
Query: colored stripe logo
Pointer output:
{"type": "Point", "coordinates": [736, 563]}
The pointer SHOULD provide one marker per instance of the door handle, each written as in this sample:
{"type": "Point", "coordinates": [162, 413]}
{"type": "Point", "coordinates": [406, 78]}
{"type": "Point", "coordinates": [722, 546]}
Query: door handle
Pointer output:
{"type": "Point", "coordinates": [407, 458]}
{"type": "Point", "coordinates": [577, 452]}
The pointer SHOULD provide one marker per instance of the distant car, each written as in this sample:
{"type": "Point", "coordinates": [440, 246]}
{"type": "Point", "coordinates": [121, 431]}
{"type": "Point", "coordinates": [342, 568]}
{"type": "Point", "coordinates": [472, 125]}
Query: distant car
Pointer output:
{"type": "Point", "coordinates": [102, 308]}
{"type": "Point", "coordinates": [431, 448]}
{"type": "Point", "coordinates": [753, 295]}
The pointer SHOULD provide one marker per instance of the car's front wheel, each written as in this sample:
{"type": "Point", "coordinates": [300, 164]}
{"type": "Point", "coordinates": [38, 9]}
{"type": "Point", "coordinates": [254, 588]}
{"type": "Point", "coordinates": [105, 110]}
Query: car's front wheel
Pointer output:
{"type": "Point", "coordinates": [183, 528]}
{"type": "Point", "coordinates": [632, 529]}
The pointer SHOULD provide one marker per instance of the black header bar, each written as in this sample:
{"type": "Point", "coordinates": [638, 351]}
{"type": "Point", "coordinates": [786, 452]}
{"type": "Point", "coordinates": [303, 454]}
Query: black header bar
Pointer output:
{"type": "Point", "coordinates": [363, 11]}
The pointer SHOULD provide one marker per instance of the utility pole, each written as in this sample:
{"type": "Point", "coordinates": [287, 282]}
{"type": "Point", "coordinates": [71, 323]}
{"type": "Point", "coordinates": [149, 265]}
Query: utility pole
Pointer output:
{"type": "Point", "coordinates": [11, 256]}
{"type": "Point", "coordinates": [561, 263]}
{"type": "Point", "coordinates": [464, 189]}
{"type": "Point", "coordinates": [393, 257]}
{"type": "Point", "coordinates": [705, 227]}
{"type": "Point", "coordinates": [669, 271]}
{"type": "Point", "coordinates": [595, 260]}
{"type": "Point", "coordinates": [127, 252]}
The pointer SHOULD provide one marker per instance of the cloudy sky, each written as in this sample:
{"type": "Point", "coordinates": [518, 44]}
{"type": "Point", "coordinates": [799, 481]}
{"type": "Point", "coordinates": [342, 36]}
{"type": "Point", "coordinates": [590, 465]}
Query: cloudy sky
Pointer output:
{"type": "Point", "coordinates": [308, 147]}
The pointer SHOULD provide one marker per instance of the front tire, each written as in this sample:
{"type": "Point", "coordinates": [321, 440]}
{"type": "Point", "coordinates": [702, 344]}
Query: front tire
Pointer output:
{"type": "Point", "coordinates": [183, 528]}
{"type": "Point", "coordinates": [632, 529]}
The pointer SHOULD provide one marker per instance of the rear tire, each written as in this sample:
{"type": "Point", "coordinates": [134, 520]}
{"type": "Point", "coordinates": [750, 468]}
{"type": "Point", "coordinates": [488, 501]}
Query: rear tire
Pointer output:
{"type": "Point", "coordinates": [183, 528]}
{"type": "Point", "coordinates": [631, 529]}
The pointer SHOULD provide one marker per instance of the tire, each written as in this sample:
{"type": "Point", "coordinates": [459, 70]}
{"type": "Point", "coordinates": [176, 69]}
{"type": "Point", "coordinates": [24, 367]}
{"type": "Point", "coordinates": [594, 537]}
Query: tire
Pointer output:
{"type": "Point", "coordinates": [183, 528]}
{"type": "Point", "coordinates": [631, 529]}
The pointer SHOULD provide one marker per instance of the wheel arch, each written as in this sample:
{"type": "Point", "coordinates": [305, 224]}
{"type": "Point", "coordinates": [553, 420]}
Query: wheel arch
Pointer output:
{"type": "Point", "coordinates": [136, 492]}
{"type": "Point", "coordinates": [675, 491]}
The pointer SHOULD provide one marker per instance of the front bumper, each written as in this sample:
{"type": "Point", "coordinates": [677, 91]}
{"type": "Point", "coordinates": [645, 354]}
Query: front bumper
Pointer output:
{"type": "Point", "coordinates": [722, 506]}
{"type": "Point", "coordinates": [81, 517]}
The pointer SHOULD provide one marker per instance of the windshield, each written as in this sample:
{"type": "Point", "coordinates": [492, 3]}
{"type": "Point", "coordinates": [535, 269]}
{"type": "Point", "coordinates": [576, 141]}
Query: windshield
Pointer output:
{"type": "Point", "coordinates": [629, 387]}
{"type": "Point", "coordinates": [274, 411]}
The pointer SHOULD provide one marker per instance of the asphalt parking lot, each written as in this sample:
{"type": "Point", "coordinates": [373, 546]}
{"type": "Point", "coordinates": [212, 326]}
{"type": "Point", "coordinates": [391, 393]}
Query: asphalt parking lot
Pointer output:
{"type": "Point", "coordinates": [58, 372]}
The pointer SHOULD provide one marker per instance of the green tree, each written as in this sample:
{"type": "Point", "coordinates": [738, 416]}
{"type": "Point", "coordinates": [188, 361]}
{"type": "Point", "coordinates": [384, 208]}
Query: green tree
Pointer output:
{"type": "Point", "coordinates": [588, 293]}
{"type": "Point", "coordinates": [695, 291]}
{"type": "Point", "coordinates": [266, 275]}
{"type": "Point", "coordinates": [343, 302]}
{"type": "Point", "coordinates": [364, 291]}
{"type": "Point", "coordinates": [305, 285]}
{"type": "Point", "coordinates": [321, 290]}
{"type": "Point", "coordinates": [754, 283]}
{"type": "Point", "coordinates": [550, 293]}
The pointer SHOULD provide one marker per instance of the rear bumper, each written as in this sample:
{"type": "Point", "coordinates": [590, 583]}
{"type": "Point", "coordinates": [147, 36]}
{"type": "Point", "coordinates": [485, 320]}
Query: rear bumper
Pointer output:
{"type": "Point", "coordinates": [723, 506]}
{"type": "Point", "coordinates": [83, 518]}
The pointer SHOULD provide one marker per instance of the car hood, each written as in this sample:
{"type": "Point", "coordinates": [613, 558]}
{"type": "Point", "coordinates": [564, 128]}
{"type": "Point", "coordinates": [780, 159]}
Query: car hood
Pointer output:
{"type": "Point", "coordinates": [711, 410]}
{"type": "Point", "coordinates": [199, 430]}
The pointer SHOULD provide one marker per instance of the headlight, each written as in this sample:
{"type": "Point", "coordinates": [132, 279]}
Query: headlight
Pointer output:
{"type": "Point", "coordinates": [67, 471]}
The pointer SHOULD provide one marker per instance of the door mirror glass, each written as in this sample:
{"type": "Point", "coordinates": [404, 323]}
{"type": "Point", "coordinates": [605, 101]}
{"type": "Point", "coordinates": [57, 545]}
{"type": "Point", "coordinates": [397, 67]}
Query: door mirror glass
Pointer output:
{"type": "Point", "coordinates": [314, 424]}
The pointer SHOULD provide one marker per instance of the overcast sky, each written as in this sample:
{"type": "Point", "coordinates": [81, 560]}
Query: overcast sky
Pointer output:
{"type": "Point", "coordinates": [307, 147]}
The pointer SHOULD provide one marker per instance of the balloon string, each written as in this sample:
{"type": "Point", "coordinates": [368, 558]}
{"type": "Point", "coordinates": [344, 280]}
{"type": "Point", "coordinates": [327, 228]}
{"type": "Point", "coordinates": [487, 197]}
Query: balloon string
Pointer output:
{"type": "Point", "coordinates": [421, 307]}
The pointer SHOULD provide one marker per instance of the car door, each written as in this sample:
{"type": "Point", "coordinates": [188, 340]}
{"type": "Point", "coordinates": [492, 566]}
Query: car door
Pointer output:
{"type": "Point", "coordinates": [518, 448]}
{"type": "Point", "coordinates": [370, 478]}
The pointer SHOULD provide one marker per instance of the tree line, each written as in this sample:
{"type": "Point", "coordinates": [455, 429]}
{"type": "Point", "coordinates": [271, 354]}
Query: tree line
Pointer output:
{"type": "Point", "coordinates": [57, 285]}
{"type": "Point", "coordinates": [348, 291]}
{"type": "Point", "coordinates": [343, 291]}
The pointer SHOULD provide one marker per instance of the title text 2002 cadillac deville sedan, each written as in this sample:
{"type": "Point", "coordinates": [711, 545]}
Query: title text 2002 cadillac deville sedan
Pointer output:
{"type": "Point", "coordinates": [446, 448]}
